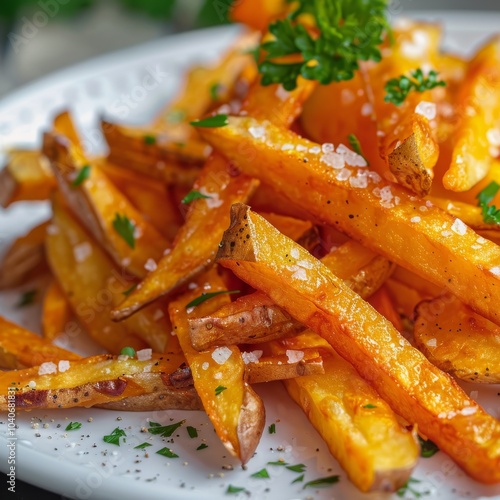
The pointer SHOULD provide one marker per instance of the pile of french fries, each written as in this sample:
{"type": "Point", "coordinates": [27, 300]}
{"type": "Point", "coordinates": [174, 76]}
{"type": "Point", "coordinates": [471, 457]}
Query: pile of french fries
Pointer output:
{"type": "Point", "coordinates": [265, 249]}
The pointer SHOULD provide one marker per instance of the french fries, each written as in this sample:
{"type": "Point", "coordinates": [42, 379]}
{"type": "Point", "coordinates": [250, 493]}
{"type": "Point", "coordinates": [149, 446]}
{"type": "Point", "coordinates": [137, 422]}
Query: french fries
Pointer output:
{"type": "Point", "coordinates": [56, 311]}
{"type": "Point", "coordinates": [313, 295]}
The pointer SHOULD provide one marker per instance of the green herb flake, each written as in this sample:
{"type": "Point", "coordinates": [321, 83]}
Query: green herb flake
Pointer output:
{"type": "Point", "coordinates": [261, 474]}
{"type": "Point", "coordinates": [214, 91]}
{"type": "Point", "coordinates": [164, 430]}
{"type": "Point", "coordinates": [427, 448]}
{"type": "Point", "coordinates": [211, 122]}
{"type": "Point", "coordinates": [193, 195]}
{"type": "Point", "coordinates": [167, 452]}
{"type": "Point", "coordinates": [279, 463]}
{"type": "Point", "coordinates": [272, 429]}
{"type": "Point", "coordinates": [397, 89]}
{"type": "Point", "coordinates": [407, 488]}
{"type": "Point", "coordinates": [73, 426]}
{"type": "Point", "coordinates": [202, 446]}
{"type": "Point", "coordinates": [356, 146]}
{"type": "Point", "coordinates": [219, 389]}
{"type": "Point", "coordinates": [205, 296]}
{"type": "Point", "coordinates": [83, 174]}
{"type": "Point", "coordinates": [149, 139]}
{"type": "Point", "coordinates": [193, 433]}
{"type": "Point", "coordinates": [27, 298]}
{"type": "Point", "coordinates": [349, 32]}
{"type": "Point", "coordinates": [128, 351]}
{"type": "Point", "coordinates": [125, 228]}
{"type": "Point", "coordinates": [142, 446]}
{"type": "Point", "coordinates": [369, 406]}
{"type": "Point", "coordinates": [114, 437]}
{"type": "Point", "coordinates": [298, 479]}
{"type": "Point", "coordinates": [129, 290]}
{"type": "Point", "coordinates": [491, 215]}
{"type": "Point", "coordinates": [297, 468]}
{"type": "Point", "coordinates": [322, 482]}
{"type": "Point", "coordinates": [234, 490]}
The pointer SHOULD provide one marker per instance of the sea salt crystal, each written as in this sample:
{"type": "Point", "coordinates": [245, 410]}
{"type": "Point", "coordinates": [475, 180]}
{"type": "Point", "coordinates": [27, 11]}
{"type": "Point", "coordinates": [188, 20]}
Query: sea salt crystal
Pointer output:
{"type": "Point", "coordinates": [427, 109]}
{"type": "Point", "coordinates": [63, 365]}
{"type": "Point", "coordinates": [360, 181]}
{"type": "Point", "coordinates": [343, 175]}
{"type": "Point", "coordinates": [493, 136]}
{"type": "Point", "coordinates": [423, 208]}
{"type": "Point", "coordinates": [328, 147]}
{"type": "Point", "coordinates": [301, 148]}
{"type": "Point", "coordinates": [294, 356]}
{"type": "Point", "coordinates": [294, 252]}
{"type": "Point", "coordinates": [299, 273]}
{"type": "Point", "coordinates": [52, 229]}
{"type": "Point", "coordinates": [144, 354]}
{"type": "Point", "coordinates": [137, 232]}
{"type": "Point", "coordinates": [373, 176]}
{"type": "Point", "coordinates": [469, 410]}
{"type": "Point", "coordinates": [158, 314]}
{"type": "Point", "coordinates": [213, 200]}
{"type": "Point", "coordinates": [31, 384]}
{"type": "Point", "coordinates": [481, 240]}
{"type": "Point", "coordinates": [281, 93]}
{"type": "Point", "coordinates": [150, 265]}
{"type": "Point", "coordinates": [459, 227]}
{"type": "Point", "coordinates": [431, 342]}
{"type": "Point", "coordinates": [333, 160]}
{"type": "Point", "coordinates": [366, 109]}
{"type": "Point", "coordinates": [82, 251]}
{"type": "Point", "coordinates": [252, 356]}
{"type": "Point", "coordinates": [221, 355]}
{"type": "Point", "coordinates": [446, 234]}
{"type": "Point", "coordinates": [257, 132]}
{"type": "Point", "coordinates": [415, 219]}
{"type": "Point", "coordinates": [347, 96]}
{"type": "Point", "coordinates": [495, 271]}
{"type": "Point", "coordinates": [205, 365]}
{"type": "Point", "coordinates": [287, 147]}
{"type": "Point", "coordinates": [47, 368]}
{"type": "Point", "coordinates": [315, 150]}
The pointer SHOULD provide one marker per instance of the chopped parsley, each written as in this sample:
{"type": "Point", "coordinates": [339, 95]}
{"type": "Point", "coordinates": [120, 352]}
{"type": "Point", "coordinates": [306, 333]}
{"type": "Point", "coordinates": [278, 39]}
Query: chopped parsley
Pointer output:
{"type": "Point", "coordinates": [202, 446]}
{"type": "Point", "coordinates": [164, 430]}
{"type": "Point", "coordinates": [369, 406]}
{"type": "Point", "coordinates": [142, 446]}
{"type": "Point", "coordinates": [272, 429]}
{"type": "Point", "coordinates": [491, 215]}
{"type": "Point", "coordinates": [261, 474]}
{"type": "Point", "coordinates": [397, 89]}
{"type": "Point", "coordinates": [298, 479]}
{"type": "Point", "coordinates": [83, 174]}
{"type": "Point", "coordinates": [114, 437]}
{"type": "Point", "coordinates": [27, 298]}
{"type": "Point", "coordinates": [297, 468]}
{"type": "Point", "coordinates": [408, 488]}
{"type": "Point", "coordinates": [427, 447]}
{"type": "Point", "coordinates": [167, 452]}
{"type": "Point", "coordinates": [219, 389]}
{"type": "Point", "coordinates": [128, 351]}
{"type": "Point", "coordinates": [322, 481]}
{"type": "Point", "coordinates": [211, 121]}
{"type": "Point", "coordinates": [349, 32]}
{"type": "Point", "coordinates": [279, 462]}
{"type": "Point", "coordinates": [193, 433]}
{"type": "Point", "coordinates": [233, 490]}
{"type": "Point", "coordinates": [193, 195]}
{"type": "Point", "coordinates": [205, 296]}
{"type": "Point", "coordinates": [129, 290]}
{"type": "Point", "coordinates": [214, 91]}
{"type": "Point", "coordinates": [149, 139]}
{"type": "Point", "coordinates": [73, 426]}
{"type": "Point", "coordinates": [125, 228]}
{"type": "Point", "coordinates": [356, 146]}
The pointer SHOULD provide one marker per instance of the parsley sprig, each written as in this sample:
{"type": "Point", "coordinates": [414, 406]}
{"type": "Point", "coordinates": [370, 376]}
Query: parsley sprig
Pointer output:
{"type": "Point", "coordinates": [397, 89]}
{"type": "Point", "coordinates": [114, 437]}
{"type": "Point", "coordinates": [491, 214]}
{"type": "Point", "coordinates": [125, 228]}
{"type": "Point", "coordinates": [349, 32]}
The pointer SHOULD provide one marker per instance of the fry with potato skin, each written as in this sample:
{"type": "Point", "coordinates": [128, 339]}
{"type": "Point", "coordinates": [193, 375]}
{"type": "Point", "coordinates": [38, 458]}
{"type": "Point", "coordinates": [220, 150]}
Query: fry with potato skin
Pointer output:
{"type": "Point", "coordinates": [457, 340]}
{"type": "Point", "coordinates": [380, 215]}
{"type": "Point", "coordinates": [415, 388]}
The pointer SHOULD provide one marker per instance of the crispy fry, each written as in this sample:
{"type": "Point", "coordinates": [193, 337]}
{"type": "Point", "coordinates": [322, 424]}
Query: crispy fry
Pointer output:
{"type": "Point", "coordinates": [97, 203]}
{"type": "Point", "coordinates": [235, 410]}
{"type": "Point", "coordinates": [257, 14]}
{"type": "Point", "coordinates": [413, 387]}
{"type": "Point", "coordinates": [26, 177]}
{"type": "Point", "coordinates": [20, 348]}
{"type": "Point", "coordinates": [382, 302]}
{"type": "Point", "coordinates": [24, 259]}
{"type": "Point", "coordinates": [381, 216]}
{"type": "Point", "coordinates": [56, 312]}
{"type": "Point", "coordinates": [457, 340]}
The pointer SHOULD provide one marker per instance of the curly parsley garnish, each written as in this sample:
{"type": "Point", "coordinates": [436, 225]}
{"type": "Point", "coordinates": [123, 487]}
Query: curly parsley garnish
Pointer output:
{"type": "Point", "coordinates": [397, 89]}
{"type": "Point", "coordinates": [114, 437]}
{"type": "Point", "coordinates": [427, 447]}
{"type": "Point", "coordinates": [164, 430]}
{"type": "Point", "coordinates": [491, 215]}
{"type": "Point", "coordinates": [349, 32]}
{"type": "Point", "coordinates": [73, 426]}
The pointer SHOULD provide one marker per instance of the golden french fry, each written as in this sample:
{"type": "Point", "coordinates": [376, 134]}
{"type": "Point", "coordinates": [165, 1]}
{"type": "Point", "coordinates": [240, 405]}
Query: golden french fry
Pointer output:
{"type": "Point", "coordinates": [457, 340]}
{"type": "Point", "coordinates": [411, 385]}
{"type": "Point", "coordinates": [56, 312]}
{"type": "Point", "coordinates": [380, 215]}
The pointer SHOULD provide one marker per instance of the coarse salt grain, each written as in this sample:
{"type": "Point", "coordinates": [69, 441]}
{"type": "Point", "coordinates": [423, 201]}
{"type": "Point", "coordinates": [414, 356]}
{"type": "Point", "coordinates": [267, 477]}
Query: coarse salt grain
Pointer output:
{"type": "Point", "coordinates": [144, 354]}
{"type": "Point", "coordinates": [459, 227]}
{"type": "Point", "coordinates": [281, 93]}
{"type": "Point", "coordinates": [366, 109]}
{"type": "Point", "coordinates": [481, 240]}
{"type": "Point", "coordinates": [252, 356]}
{"type": "Point", "coordinates": [137, 231]}
{"type": "Point", "coordinates": [431, 342]}
{"type": "Point", "coordinates": [82, 251]}
{"type": "Point", "coordinates": [52, 229]}
{"type": "Point", "coordinates": [469, 410]}
{"type": "Point", "coordinates": [294, 252]}
{"type": "Point", "coordinates": [426, 109]}
{"type": "Point", "coordinates": [328, 147]}
{"type": "Point", "coordinates": [221, 355]}
{"type": "Point", "coordinates": [294, 356]}
{"type": "Point", "coordinates": [423, 208]}
{"type": "Point", "coordinates": [495, 271]}
{"type": "Point", "coordinates": [446, 234]}
{"type": "Point", "coordinates": [287, 147]}
{"type": "Point", "coordinates": [122, 357]}
{"type": "Point", "coordinates": [333, 160]}
{"type": "Point", "coordinates": [158, 314]}
{"type": "Point", "coordinates": [47, 368]}
{"type": "Point", "coordinates": [150, 265]}
{"type": "Point", "coordinates": [360, 181]}
{"type": "Point", "coordinates": [213, 200]}
{"type": "Point", "coordinates": [31, 384]}
{"type": "Point", "coordinates": [205, 365]}
{"type": "Point", "coordinates": [301, 148]}
{"type": "Point", "coordinates": [415, 219]}
{"type": "Point", "coordinates": [299, 273]}
{"type": "Point", "coordinates": [315, 150]}
{"type": "Point", "coordinates": [63, 365]}
{"type": "Point", "coordinates": [493, 136]}
{"type": "Point", "coordinates": [257, 132]}
{"type": "Point", "coordinates": [343, 175]}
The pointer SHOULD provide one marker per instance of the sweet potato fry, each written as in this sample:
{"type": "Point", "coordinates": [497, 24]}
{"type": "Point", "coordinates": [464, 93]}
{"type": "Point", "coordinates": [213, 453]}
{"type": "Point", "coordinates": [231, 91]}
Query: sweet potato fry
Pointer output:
{"type": "Point", "coordinates": [358, 426]}
{"type": "Point", "coordinates": [99, 380]}
{"type": "Point", "coordinates": [56, 312]}
{"type": "Point", "coordinates": [26, 177]}
{"type": "Point", "coordinates": [474, 138]}
{"type": "Point", "coordinates": [98, 203]}
{"type": "Point", "coordinates": [413, 387]}
{"type": "Point", "coordinates": [20, 348]}
{"type": "Point", "coordinates": [24, 259]}
{"type": "Point", "coordinates": [377, 214]}
{"type": "Point", "coordinates": [457, 340]}
{"type": "Point", "coordinates": [235, 410]}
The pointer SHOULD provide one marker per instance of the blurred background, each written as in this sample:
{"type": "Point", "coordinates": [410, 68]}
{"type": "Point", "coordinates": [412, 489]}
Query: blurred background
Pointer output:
{"type": "Point", "coordinates": [40, 36]}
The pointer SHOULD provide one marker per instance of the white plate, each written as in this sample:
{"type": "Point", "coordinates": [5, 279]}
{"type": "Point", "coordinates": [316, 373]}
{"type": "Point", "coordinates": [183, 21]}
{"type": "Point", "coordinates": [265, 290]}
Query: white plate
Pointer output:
{"type": "Point", "coordinates": [78, 464]}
